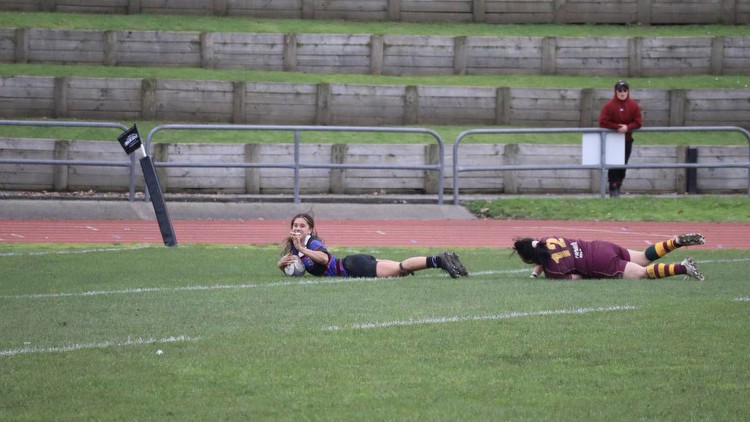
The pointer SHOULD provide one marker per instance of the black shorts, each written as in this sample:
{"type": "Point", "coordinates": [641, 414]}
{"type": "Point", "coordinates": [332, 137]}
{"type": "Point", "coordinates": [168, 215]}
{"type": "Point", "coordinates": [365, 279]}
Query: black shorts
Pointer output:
{"type": "Point", "coordinates": [361, 266]}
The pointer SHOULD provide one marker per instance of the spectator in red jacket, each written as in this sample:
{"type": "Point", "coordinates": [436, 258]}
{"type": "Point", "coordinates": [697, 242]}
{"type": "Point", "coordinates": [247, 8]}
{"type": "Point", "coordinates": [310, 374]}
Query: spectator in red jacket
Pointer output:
{"type": "Point", "coordinates": [622, 114]}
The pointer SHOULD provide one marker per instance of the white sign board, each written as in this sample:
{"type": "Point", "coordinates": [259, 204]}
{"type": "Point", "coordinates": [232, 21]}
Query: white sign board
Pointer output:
{"type": "Point", "coordinates": [591, 149]}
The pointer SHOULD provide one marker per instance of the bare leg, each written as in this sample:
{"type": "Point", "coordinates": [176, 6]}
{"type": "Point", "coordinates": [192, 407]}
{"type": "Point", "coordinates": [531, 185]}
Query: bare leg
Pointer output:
{"type": "Point", "coordinates": [388, 268]}
{"type": "Point", "coordinates": [638, 257]}
{"type": "Point", "coordinates": [446, 261]}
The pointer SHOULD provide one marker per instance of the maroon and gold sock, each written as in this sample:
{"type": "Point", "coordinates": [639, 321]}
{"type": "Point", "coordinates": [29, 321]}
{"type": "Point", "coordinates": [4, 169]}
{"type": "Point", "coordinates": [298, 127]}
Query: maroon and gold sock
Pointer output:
{"type": "Point", "coordinates": [664, 270]}
{"type": "Point", "coordinates": [660, 249]}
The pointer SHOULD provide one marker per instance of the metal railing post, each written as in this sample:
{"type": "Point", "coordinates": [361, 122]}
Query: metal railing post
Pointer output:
{"type": "Point", "coordinates": [298, 163]}
{"type": "Point", "coordinates": [296, 167]}
{"type": "Point", "coordinates": [603, 161]}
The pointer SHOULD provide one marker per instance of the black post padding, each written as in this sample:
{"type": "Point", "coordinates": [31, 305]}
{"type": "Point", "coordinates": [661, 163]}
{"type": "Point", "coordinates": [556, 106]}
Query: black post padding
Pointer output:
{"type": "Point", "coordinates": [692, 173]}
{"type": "Point", "coordinates": [157, 200]}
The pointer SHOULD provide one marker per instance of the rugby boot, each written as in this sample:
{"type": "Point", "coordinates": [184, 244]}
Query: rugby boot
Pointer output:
{"type": "Point", "coordinates": [690, 239]}
{"type": "Point", "coordinates": [450, 263]}
{"type": "Point", "coordinates": [692, 269]}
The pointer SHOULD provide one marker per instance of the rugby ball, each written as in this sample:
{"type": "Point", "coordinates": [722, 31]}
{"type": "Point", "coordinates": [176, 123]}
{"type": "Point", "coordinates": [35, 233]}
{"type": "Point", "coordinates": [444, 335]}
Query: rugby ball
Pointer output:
{"type": "Point", "coordinates": [296, 269]}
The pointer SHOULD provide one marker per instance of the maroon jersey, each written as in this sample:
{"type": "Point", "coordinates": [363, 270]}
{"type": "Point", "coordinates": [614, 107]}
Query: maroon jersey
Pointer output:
{"type": "Point", "coordinates": [616, 112]}
{"type": "Point", "coordinates": [589, 259]}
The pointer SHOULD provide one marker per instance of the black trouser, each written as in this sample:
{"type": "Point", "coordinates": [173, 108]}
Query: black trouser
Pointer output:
{"type": "Point", "coordinates": [616, 176]}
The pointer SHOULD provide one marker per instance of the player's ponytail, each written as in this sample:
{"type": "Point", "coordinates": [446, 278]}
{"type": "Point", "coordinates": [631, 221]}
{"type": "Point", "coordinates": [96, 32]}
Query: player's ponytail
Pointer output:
{"type": "Point", "coordinates": [529, 253]}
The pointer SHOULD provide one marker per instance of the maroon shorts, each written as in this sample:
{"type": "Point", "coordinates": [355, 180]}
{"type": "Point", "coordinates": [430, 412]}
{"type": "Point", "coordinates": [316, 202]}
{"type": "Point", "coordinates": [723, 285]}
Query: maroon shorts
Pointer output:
{"type": "Point", "coordinates": [607, 260]}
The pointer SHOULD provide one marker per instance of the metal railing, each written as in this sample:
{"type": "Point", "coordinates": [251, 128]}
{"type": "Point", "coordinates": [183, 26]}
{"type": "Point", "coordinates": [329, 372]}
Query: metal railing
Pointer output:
{"type": "Point", "coordinates": [297, 163]}
{"type": "Point", "coordinates": [53, 123]}
{"type": "Point", "coordinates": [603, 166]}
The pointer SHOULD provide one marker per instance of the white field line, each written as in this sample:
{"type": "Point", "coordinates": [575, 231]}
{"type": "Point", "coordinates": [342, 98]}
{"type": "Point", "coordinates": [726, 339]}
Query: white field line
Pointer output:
{"type": "Point", "coordinates": [723, 261]}
{"type": "Point", "coordinates": [141, 290]}
{"type": "Point", "coordinates": [742, 299]}
{"type": "Point", "coordinates": [604, 231]}
{"type": "Point", "coordinates": [74, 252]}
{"type": "Point", "coordinates": [491, 272]}
{"type": "Point", "coordinates": [443, 320]}
{"type": "Point", "coordinates": [100, 345]}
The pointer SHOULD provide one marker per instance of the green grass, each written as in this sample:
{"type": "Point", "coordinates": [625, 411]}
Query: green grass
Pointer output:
{"type": "Point", "coordinates": [716, 208]}
{"type": "Point", "coordinates": [258, 348]}
{"type": "Point", "coordinates": [247, 24]}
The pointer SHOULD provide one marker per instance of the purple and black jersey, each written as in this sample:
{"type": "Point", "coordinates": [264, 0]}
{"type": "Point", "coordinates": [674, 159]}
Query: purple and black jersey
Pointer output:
{"type": "Point", "coordinates": [335, 267]}
{"type": "Point", "coordinates": [357, 265]}
{"type": "Point", "coordinates": [589, 259]}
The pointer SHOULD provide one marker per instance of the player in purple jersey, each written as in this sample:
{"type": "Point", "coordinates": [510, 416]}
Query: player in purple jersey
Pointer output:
{"type": "Point", "coordinates": [303, 242]}
{"type": "Point", "coordinates": [561, 258]}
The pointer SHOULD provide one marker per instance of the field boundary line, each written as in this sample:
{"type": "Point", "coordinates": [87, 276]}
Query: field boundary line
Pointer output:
{"type": "Point", "coordinates": [141, 290]}
{"type": "Point", "coordinates": [100, 345]}
{"type": "Point", "coordinates": [508, 315]}
{"type": "Point", "coordinates": [75, 252]}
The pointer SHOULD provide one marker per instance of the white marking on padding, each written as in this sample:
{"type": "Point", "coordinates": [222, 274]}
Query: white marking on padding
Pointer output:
{"type": "Point", "coordinates": [443, 320]}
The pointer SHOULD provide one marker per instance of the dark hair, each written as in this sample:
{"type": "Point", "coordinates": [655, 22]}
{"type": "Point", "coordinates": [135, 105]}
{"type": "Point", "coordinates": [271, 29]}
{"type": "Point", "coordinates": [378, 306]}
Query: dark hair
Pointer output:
{"type": "Point", "coordinates": [308, 218]}
{"type": "Point", "coordinates": [530, 254]}
{"type": "Point", "coordinates": [622, 84]}
{"type": "Point", "coordinates": [286, 244]}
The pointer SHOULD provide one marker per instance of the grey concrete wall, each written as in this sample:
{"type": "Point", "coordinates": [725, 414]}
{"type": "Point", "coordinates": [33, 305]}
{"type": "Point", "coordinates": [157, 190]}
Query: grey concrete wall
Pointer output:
{"type": "Point", "coordinates": [347, 105]}
{"type": "Point", "coordinates": [383, 54]}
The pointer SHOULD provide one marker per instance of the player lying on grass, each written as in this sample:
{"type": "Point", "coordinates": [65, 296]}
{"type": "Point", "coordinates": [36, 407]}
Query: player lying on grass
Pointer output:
{"type": "Point", "coordinates": [560, 257]}
{"type": "Point", "coordinates": [303, 242]}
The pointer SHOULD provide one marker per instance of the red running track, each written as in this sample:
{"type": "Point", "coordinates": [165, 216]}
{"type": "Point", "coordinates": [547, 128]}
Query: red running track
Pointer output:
{"type": "Point", "coordinates": [428, 233]}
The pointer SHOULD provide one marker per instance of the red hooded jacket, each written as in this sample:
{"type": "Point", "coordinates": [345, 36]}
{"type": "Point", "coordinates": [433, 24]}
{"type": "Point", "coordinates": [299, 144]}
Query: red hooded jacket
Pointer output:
{"type": "Point", "coordinates": [617, 112]}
